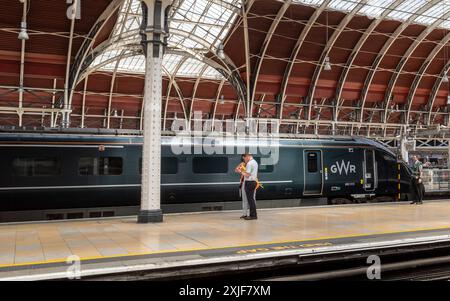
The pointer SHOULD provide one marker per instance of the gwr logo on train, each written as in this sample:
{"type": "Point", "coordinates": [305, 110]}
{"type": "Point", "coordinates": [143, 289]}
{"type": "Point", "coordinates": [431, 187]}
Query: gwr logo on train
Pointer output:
{"type": "Point", "coordinates": [343, 167]}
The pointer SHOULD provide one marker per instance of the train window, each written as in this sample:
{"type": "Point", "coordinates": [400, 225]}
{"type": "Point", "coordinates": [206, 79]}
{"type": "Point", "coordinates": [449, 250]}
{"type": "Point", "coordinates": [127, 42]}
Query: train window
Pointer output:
{"type": "Point", "coordinates": [32, 167]}
{"type": "Point", "coordinates": [210, 165]}
{"type": "Point", "coordinates": [110, 166]}
{"type": "Point", "coordinates": [88, 166]}
{"type": "Point", "coordinates": [312, 162]}
{"type": "Point", "coordinates": [390, 158]}
{"type": "Point", "coordinates": [169, 165]}
{"type": "Point", "coordinates": [262, 167]}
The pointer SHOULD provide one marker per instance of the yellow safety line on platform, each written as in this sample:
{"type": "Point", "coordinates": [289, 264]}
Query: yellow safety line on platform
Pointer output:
{"type": "Point", "coordinates": [216, 248]}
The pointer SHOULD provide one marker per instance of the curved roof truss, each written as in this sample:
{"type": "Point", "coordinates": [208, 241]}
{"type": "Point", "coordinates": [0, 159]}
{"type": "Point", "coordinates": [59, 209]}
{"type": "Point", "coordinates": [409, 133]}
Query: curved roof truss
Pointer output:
{"type": "Point", "coordinates": [195, 27]}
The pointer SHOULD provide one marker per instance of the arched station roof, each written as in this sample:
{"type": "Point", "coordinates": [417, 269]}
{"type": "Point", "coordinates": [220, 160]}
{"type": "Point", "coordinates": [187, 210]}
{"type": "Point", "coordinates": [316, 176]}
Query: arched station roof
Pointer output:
{"type": "Point", "coordinates": [388, 62]}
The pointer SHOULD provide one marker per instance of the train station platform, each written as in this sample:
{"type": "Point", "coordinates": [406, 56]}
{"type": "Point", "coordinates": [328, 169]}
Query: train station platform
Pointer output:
{"type": "Point", "coordinates": [213, 242]}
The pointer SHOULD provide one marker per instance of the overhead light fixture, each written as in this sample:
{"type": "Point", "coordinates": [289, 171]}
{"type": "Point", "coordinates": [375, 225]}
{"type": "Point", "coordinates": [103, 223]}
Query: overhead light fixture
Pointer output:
{"type": "Point", "coordinates": [23, 35]}
{"type": "Point", "coordinates": [445, 78]}
{"type": "Point", "coordinates": [220, 52]}
{"type": "Point", "coordinates": [327, 65]}
{"type": "Point", "coordinates": [222, 101]}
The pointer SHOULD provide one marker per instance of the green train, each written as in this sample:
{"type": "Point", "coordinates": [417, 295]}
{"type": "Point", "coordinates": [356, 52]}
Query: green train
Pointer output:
{"type": "Point", "coordinates": [54, 171]}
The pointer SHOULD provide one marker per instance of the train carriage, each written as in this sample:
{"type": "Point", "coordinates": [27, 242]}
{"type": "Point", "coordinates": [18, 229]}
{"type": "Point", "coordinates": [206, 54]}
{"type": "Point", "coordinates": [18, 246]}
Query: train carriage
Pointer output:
{"type": "Point", "coordinates": [57, 171]}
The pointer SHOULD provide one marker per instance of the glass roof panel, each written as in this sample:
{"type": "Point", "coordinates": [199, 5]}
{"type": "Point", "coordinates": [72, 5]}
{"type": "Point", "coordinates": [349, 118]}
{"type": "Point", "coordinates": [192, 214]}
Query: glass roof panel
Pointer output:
{"type": "Point", "coordinates": [200, 25]}
{"type": "Point", "coordinates": [128, 62]}
{"type": "Point", "coordinates": [309, 2]}
{"type": "Point", "coordinates": [210, 72]}
{"type": "Point", "coordinates": [375, 8]}
{"type": "Point", "coordinates": [196, 25]}
{"type": "Point", "coordinates": [134, 63]}
{"type": "Point", "coordinates": [405, 10]}
{"type": "Point", "coordinates": [191, 67]}
{"type": "Point", "coordinates": [171, 61]}
{"type": "Point", "coordinates": [435, 13]}
{"type": "Point", "coordinates": [415, 10]}
{"type": "Point", "coordinates": [208, 20]}
{"type": "Point", "coordinates": [343, 5]}
{"type": "Point", "coordinates": [105, 57]}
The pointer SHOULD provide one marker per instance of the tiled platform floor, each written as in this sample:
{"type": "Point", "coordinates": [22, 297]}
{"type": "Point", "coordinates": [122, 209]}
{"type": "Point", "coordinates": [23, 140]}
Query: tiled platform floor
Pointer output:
{"type": "Point", "coordinates": [48, 242]}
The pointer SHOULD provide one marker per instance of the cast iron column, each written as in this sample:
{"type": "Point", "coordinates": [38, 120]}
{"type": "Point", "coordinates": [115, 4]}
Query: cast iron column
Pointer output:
{"type": "Point", "coordinates": [153, 34]}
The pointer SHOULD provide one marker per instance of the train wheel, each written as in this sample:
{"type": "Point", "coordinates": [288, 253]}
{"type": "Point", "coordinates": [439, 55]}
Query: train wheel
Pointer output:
{"type": "Point", "coordinates": [382, 199]}
{"type": "Point", "coordinates": [340, 201]}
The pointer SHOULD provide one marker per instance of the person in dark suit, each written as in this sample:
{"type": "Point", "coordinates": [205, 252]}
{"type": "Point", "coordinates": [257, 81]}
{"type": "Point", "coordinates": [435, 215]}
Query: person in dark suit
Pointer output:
{"type": "Point", "coordinates": [251, 180]}
{"type": "Point", "coordinates": [239, 169]}
{"type": "Point", "coordinates": [418, 187]}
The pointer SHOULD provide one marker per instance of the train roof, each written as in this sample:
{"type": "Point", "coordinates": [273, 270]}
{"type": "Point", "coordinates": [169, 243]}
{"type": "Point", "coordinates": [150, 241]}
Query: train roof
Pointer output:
{"type": "Point", "coordinates": [114, 136]}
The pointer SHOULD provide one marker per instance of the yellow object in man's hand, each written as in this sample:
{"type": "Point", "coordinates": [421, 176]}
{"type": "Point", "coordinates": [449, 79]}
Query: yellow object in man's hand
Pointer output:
{"type": "Point", "coordinates": [243, 170]}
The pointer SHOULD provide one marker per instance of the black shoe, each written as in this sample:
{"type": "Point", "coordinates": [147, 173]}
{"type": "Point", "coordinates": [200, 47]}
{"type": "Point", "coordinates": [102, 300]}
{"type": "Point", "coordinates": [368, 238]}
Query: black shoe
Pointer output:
{"type": "Point", "coordinates": [412, 203]}
{"type": "Point", "coordinates": [420, 203]}
{"type": "Point", "coordinates": [243, 217]}
{"type": "Point", "coordinates": [248, 218]}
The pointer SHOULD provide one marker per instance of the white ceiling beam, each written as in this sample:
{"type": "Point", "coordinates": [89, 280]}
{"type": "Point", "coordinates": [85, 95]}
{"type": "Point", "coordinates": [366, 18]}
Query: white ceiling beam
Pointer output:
{"type": "Point", "coordinates": [398, 70]}
{"type": "Point", "coordinates": [383, 52]}
{"type": "Point", "coordinates": [326, 51]}
{"type": "Point", "coordinates": [361, 42]}
{"type": "Point", "coordinates": [298, 45]}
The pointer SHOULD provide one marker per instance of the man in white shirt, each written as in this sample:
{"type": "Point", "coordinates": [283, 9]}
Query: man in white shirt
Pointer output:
{"type": "Point", "coordinates": [250, 175]}
{"type": "Point", "coordinates": [242, 193]}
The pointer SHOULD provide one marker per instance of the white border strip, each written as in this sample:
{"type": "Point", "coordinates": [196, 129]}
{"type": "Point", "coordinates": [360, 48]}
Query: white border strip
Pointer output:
{"type": "Point", "coordinates": [133, 185]}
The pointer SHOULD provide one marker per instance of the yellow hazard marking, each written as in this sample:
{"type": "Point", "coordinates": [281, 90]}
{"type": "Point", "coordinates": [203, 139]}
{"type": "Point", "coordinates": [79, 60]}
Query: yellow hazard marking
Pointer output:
{"type": "Point", "coordinates": [284, 247]}
{"type": "Point", "coordinates": [262, 245]}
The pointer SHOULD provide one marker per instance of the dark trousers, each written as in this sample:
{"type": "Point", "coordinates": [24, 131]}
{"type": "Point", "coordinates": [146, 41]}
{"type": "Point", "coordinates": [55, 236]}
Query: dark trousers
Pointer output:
{"type": "Point", "coordinates": [250, 187]}
{"type": "Point", "coordinates": [419, 191]}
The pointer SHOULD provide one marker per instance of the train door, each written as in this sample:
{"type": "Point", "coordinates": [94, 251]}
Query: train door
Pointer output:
{"type": "Point", "coordinates": [370, 170]}
{"type": "Point", "coordinates": [313, 181]}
